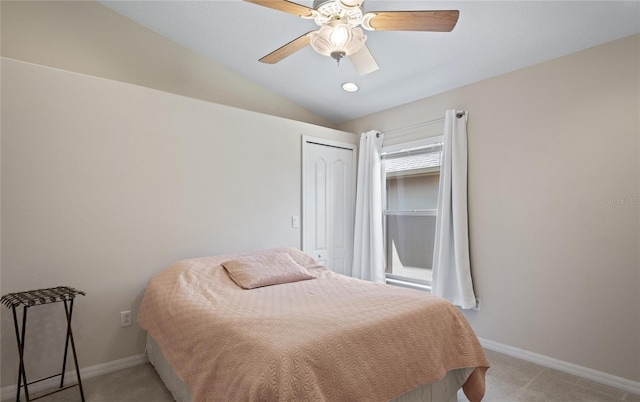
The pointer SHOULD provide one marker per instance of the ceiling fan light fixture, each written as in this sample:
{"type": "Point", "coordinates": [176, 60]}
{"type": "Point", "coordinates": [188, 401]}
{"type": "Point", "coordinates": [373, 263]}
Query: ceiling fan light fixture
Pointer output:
{"type": "Point", "coordinates": [337, 40]}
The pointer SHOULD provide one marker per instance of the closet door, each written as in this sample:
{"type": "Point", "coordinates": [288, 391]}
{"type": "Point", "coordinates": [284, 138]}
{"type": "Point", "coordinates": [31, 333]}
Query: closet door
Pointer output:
{"type": "Point", "coordinates": [328, 202]}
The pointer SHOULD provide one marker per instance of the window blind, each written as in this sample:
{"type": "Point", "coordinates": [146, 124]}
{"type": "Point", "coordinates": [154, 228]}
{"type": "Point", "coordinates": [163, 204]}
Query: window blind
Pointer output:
{"type": "Point", "coordinates": [415, 158]}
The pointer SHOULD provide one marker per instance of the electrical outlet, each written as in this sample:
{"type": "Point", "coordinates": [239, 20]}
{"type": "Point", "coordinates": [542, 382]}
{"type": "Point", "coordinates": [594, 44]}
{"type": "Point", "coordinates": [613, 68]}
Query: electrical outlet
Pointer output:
{"type": "Point", "coordinates": [478, 306]}
{"type": "Point", "coordinates": [125, 318]}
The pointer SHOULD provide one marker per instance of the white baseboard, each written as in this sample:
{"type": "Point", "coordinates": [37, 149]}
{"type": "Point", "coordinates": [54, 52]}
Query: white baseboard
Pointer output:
{"type": "Point", "coordinates": [574, 369]}
{"type": "Point", "coordinates": [9, 392]}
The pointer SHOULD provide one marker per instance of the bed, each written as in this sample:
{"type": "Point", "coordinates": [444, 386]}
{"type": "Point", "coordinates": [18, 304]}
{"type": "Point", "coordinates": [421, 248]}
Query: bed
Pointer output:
{"type": "Point", "coordinates": [275, 325]}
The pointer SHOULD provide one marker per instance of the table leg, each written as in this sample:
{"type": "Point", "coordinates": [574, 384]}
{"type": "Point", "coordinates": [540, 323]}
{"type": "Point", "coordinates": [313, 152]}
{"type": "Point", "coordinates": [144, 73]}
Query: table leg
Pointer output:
{"type": "Point", "coordinates": [66, 345]}
{"type": "Point", "coordinates": [22, 376]}
{"type": "Point", "coordinates": [69, 313]}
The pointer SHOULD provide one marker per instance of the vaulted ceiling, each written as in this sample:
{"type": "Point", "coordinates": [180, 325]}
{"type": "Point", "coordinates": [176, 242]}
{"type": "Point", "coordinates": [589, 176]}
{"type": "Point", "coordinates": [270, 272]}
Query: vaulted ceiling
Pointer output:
{"type": "Point", "coordinates": [490, 38]}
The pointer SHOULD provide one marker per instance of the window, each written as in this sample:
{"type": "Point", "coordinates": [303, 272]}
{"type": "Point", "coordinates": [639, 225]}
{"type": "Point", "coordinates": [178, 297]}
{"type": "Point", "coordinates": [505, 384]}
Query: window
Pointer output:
{"type": "Point", "coordinates": [412, 176]}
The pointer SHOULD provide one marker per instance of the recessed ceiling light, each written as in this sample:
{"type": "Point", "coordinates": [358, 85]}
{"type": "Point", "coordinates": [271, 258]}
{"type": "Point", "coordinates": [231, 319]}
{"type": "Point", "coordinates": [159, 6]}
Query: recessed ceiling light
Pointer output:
{"type": "Point", "coordinates": [350, 87]}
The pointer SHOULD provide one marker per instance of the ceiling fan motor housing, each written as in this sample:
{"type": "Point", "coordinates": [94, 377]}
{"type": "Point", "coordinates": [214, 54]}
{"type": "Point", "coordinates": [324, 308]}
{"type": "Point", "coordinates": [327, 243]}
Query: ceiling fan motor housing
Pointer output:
{"type": "Point", "coordinates": [331, 10]}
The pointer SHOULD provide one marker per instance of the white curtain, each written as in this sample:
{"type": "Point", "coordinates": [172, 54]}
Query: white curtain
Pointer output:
{"type": "Point", "coordinates": [368, 243]}
{"type": "Point", "coordinates": [451, 265]}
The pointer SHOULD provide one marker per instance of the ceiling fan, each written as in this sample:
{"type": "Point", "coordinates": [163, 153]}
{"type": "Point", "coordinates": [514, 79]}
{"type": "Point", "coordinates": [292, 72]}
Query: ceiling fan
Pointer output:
{"type": "Point", "coordinates": [339, 34]}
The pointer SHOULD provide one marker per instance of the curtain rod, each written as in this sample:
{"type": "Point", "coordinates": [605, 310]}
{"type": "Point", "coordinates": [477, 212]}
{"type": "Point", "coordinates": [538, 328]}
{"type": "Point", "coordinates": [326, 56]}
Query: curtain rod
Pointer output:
{"type": "Point", "coordinates": [423, 123]}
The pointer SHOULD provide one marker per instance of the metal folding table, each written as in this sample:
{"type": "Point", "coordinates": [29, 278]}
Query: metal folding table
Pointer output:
{"type": "Point", "coordinates": [39, 297]}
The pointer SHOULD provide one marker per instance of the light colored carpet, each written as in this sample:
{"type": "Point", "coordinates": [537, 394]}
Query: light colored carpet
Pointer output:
{"type": "Point", "coordinates": [508, 380]}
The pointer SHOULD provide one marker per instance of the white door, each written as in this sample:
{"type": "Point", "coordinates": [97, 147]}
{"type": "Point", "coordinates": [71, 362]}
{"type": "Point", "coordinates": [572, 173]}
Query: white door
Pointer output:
{"type": "Point", "coordinates": [328, 202]}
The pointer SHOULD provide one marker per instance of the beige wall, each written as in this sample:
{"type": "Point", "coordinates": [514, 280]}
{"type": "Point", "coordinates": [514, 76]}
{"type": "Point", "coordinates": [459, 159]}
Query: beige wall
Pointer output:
{"type": "Point", "coordinates": [554, 183]}
{"type": "Point", "coordinates": [105, 183]}
{"type": "Point", "coordinates": [87, 37]}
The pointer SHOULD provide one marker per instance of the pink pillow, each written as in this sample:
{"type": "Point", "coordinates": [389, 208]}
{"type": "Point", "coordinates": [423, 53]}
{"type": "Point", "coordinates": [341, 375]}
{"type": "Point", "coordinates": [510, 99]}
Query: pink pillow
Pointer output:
{"type": "Point", "coordinates": [264, 270]}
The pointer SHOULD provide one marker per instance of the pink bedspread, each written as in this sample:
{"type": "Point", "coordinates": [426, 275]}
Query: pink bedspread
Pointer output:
{"type": "Point", "coordinates": [332, 338]}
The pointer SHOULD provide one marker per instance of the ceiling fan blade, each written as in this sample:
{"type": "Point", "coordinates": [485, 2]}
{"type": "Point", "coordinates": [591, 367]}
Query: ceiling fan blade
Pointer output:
{"type": "Point", "coordinates": [286, 6]}
{"type": "Point", "coordinates": [287, 50]}
{"type": "Point", "coordinates": [363, 61]}
{"type": "Point", "coordinates": [433, 21]}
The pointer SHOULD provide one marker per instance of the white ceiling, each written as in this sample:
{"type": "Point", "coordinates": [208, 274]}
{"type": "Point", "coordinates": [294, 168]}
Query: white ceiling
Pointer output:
{"type": "Point", "coordinates": [491, 38]}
